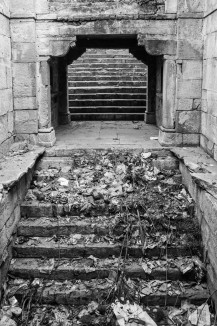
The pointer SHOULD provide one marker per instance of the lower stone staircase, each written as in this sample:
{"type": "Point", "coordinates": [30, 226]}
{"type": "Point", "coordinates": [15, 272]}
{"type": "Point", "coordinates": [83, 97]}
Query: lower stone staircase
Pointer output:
{"type": "Point", "coordinates": [107, 85]}
{"type": "Point", "coordinates": [104, 225]}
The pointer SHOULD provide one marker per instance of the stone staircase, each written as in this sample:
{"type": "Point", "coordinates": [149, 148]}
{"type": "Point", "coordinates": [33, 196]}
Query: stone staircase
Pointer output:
{"type": "Point", "coordinates": [124, 227]}
{"type": "Point", "coordinates": [107, 85]}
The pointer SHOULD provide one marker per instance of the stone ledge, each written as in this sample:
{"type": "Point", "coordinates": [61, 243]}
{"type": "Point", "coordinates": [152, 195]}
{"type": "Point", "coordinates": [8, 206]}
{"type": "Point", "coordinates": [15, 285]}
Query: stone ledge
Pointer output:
{"type": "Point", "coordinates": [199, 175]}
{"type": "Point", "coordinates": [14, 168]}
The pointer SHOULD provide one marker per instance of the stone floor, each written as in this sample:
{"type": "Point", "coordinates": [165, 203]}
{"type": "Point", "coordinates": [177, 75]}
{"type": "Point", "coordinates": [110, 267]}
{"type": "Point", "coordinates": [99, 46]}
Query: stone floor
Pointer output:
{"type": "Point", "coordinates": [96, 134]}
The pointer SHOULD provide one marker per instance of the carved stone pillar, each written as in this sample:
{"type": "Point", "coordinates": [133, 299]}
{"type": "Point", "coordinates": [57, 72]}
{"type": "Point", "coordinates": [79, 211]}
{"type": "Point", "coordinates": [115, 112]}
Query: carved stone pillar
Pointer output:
{"type": "Point", "coordinates": [46, 135]}
{"type": "Point", "coordinates": [168, 135]}
{"type": "Point", "coordinates": [150, 114]}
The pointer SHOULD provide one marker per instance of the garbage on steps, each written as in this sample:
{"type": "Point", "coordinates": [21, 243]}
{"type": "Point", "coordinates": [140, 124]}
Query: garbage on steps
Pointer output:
{"type": "Point", "coordinates": [131, 315]}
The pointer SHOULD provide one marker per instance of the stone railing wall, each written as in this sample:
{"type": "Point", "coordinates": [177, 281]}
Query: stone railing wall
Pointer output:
{"type": "Point", "coordinates": [15, 178]}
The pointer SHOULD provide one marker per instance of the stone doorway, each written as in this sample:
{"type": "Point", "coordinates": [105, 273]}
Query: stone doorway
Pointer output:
{"type": "Point", "coordinates": [67, 98]}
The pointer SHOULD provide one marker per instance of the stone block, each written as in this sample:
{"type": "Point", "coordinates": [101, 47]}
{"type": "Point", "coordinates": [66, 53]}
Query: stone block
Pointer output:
{"type": "Point", "coordinates": [184, 104]}
{"type": "Point", "coordinates": [167, 163]}
{"type": "Point", "coordinates": [5, 145]}
{"type": "Point", "coordinates": [167, 138]}
{"type": "Point", "coordinates": [190, 42]}
{"type": "Point", "coordinates": [191, 139]}
{"type": "Point", "coordinates": [192, 69]}
{"type": "Point", "coordinates": [6, 100]}
{"type": "Point", "coordinates": [190, 6]}
{"type": "Point", "coordinates": [22, 8]}
{"type": "Point", "coordinates": [208, 205]}
{"type": "Point", "coordinates": [24, 82]}
{"type": "Point", "coordinates": [3, 127]}
{"type": "Point", "coordinates": [41, 6]}
{"type": "Point", "coordinates": [189, 89]}
{"type": "Point", "coordinates": [5, 49]}
{"type": "Point", "coordinates": [26, 121]}
{"type": "Point", "coordinates": [210, 5]}
{"type": "Point", "coordinates": [188, 122]}
{"type": "Point", "coordinates": [46, 137]}
{"type": "Point", "coordinates": [23, 31]}
{"type": "Point", "coordinates": [4, 8]}
{"type": "Point", "coordinates": [24, 52]}
{"type": "Point", "coordinates": [210, 82]}
{"type": "Point", "coordinates": [6, 77]}
{"type": "Point", "coordinates": [208, 126]}
{"type": "Point", "coordinates": [5, 27]}
{"type": "Point", "coordinates": [25, 103]}
{"type": "Point", "coordinates": [171, 6]}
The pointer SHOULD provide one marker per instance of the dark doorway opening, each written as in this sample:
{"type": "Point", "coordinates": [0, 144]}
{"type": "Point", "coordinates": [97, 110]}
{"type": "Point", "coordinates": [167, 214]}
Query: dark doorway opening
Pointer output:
{"type": "Point", "coordinates": [106, 53]}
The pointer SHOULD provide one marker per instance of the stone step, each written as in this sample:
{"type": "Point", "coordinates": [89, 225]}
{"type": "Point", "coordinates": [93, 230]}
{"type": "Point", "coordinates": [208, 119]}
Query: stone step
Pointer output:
{"type": "Point", "coordinates": [107, 56]}
{"type": "Point", "coordinates": [106, 65]}
{"type": "Point", "coordinates": [52, 247]}
{"type": "Point", "coordinates": [74, 293]}
{"type": "Point", "coordinates": [97, 109]}
{"type": "Point", "coordinates": [107, 117]}
{"type": "Point", "coordinates": [107, 71]}
{"type": "Point", "coordinates": [99, 96]}
{"type": "Point", "coordinates": [127, 78]}
{"type": "Point", "coordinates": [99, 225]}
{"type": "Point", "coordinates": [115, 59]}
{"type": "Point", "coordinates": [89, 268]}
{"type": "Point", "coordinates": [108, 103]}
{"type": "Point", "coordinates": [100, 83]}
{"type": "Point", "coordinates": [107, 89]}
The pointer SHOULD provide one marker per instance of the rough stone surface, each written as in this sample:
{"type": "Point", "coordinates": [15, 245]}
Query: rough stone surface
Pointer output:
{"type": "Point", "coordinates": [199, 173]}
{"type": "Point", "coordinates": [15, 177]}
{"type": "Point", "coordinates": [6, 97]}
{"type": "Point", "coordinates": [209, 108]}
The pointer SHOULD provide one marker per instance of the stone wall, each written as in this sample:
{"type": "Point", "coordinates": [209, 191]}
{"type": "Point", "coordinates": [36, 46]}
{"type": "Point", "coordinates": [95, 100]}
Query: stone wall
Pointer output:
{"type": "Point", "coordinates": [15, 178]}
{"type": "Point", "coordinates": [43, 30]}
{"type": "Point", "coordinates": [209, 107]}
{"type": "Point", "coordinates": [6, 99]}
{"type": "Point", "coordinates": [185, 67]}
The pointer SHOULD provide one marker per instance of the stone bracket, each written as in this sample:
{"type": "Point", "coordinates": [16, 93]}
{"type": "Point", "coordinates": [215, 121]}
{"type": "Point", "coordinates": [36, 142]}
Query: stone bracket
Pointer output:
{"type": "Point", "coordinates": [156, 46]}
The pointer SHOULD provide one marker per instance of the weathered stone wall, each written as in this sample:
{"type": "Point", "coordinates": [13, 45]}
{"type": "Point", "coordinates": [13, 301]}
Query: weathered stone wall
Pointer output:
{"type": "Point", "coordinates": [15, 178]}
{"type": "Point", "coordinates": [209, 107]}
{"type": "Point", "coordinates": [186, 68]}
{"type": "Point", "coordinates": [171, 29]}
{"type": "Point", "coordinates": [6, 99]}
{"type": "Point", "coordinates": [23, 39]}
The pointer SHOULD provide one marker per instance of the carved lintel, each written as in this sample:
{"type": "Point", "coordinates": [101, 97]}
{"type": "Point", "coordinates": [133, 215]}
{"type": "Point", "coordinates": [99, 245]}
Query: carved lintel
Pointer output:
{"type": "Point", "coordinates": [157, 46]}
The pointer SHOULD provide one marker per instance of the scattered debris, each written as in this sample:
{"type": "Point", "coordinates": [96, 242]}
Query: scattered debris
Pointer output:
{"type": "Point", "coordinates": [201, 316]}
{"type": "Point", "coordinates": [131, 314]}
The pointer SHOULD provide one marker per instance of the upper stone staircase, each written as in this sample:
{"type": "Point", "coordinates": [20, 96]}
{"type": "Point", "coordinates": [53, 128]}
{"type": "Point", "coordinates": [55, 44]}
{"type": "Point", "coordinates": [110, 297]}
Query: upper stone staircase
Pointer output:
{"type": "Point", "coordinates": [107, 85]}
